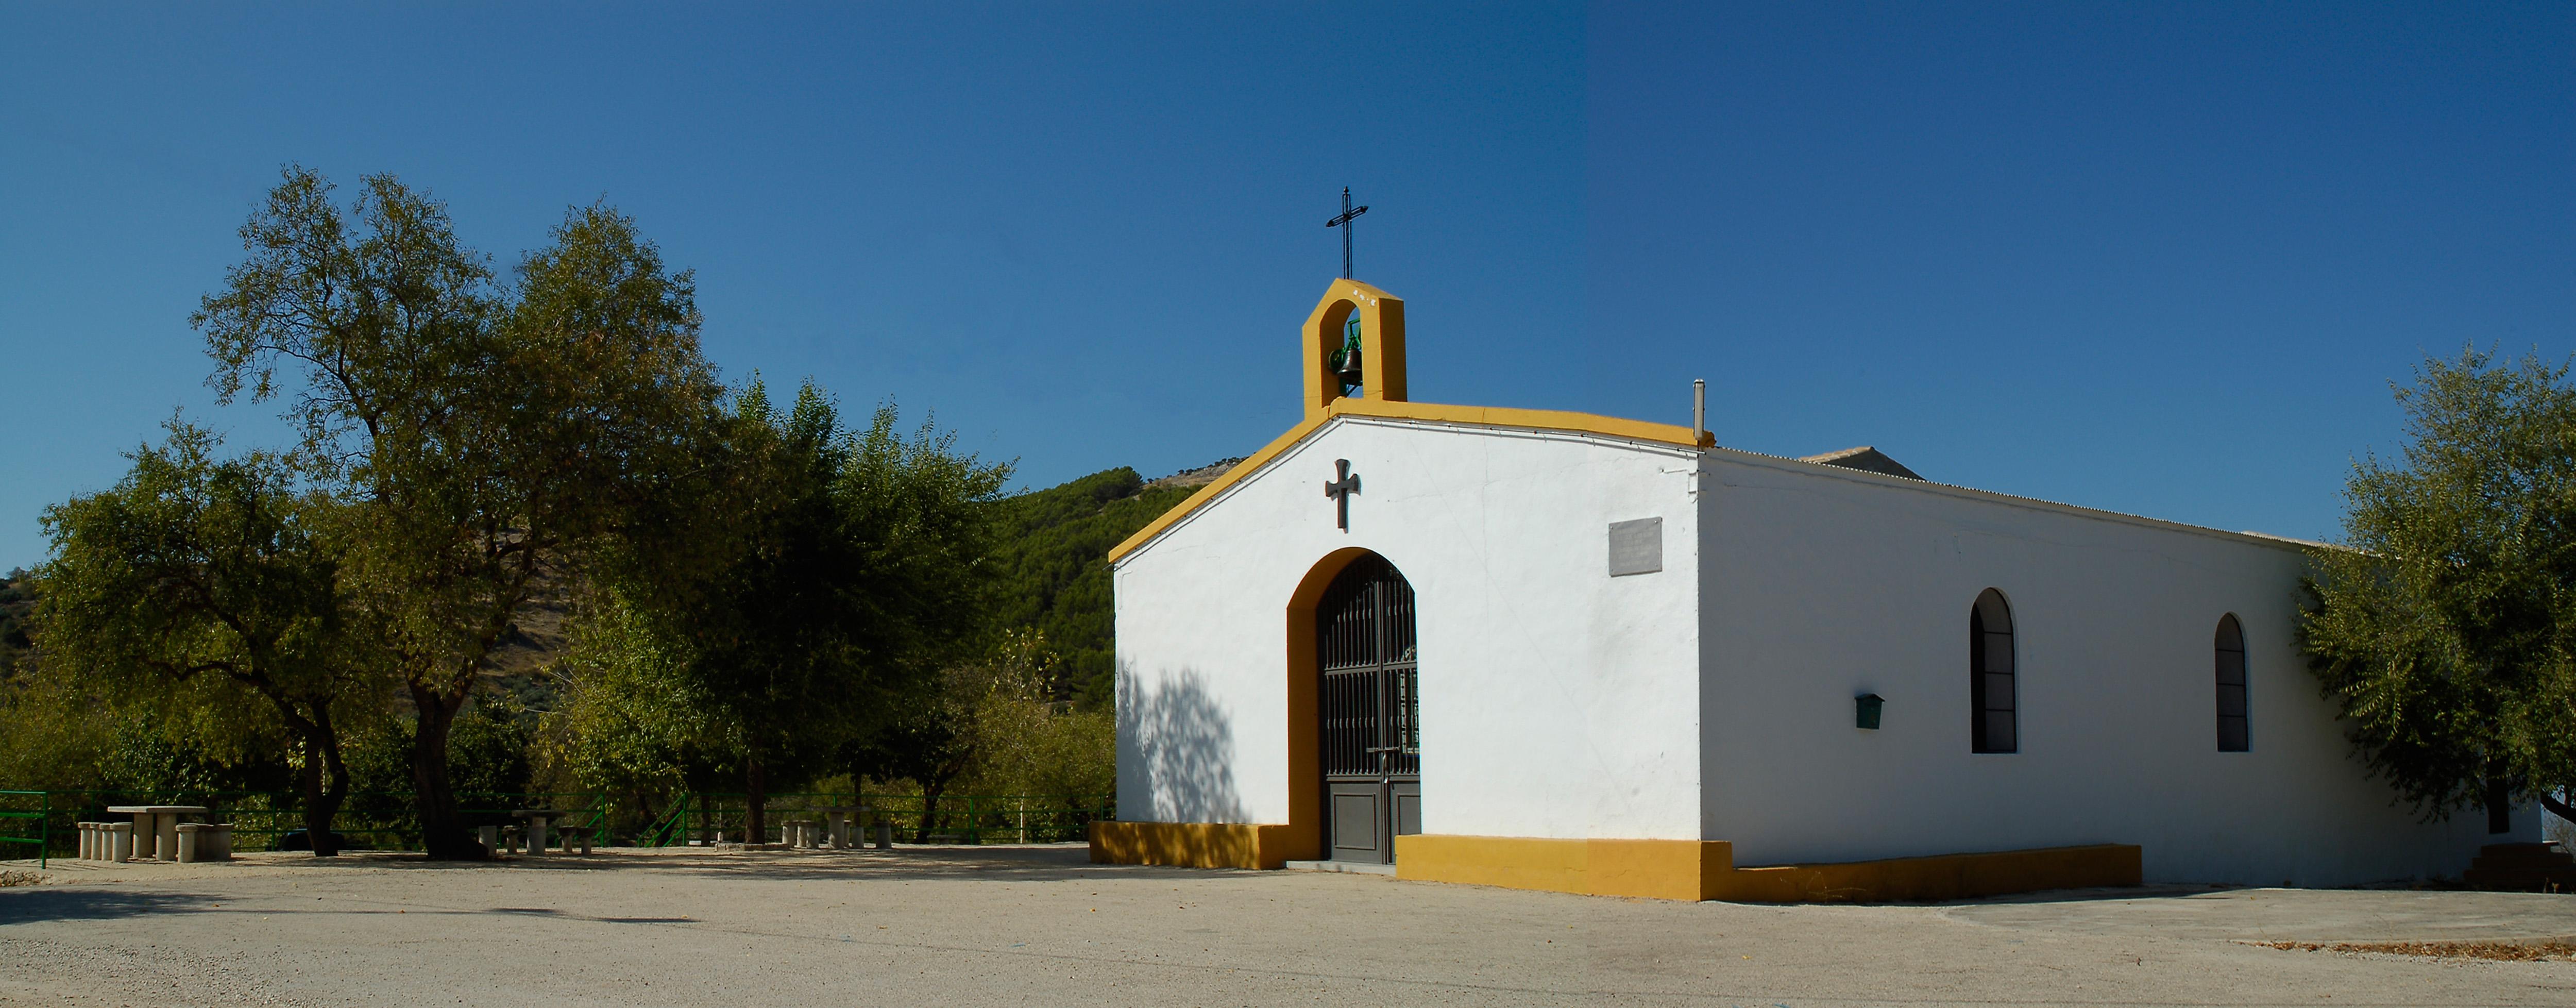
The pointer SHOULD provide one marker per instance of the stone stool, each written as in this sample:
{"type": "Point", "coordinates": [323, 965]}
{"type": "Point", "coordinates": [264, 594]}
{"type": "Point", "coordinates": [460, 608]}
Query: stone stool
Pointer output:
{"type": "Point", "coordinates": [120, 841]}
{"type": "Point", "coordinates": [87, 837]}
{"type": "Point", "coordinates": [490, 836]}
{"type": "Point", "coordinates": [205, 842]}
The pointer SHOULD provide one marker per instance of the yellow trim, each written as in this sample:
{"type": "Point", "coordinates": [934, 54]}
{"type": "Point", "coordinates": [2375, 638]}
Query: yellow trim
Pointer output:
{"type": "Point", "coordinates": [1661, 869]}
{"type": "Point", "coordinates": [1303, 837]}
{"type": "Point", "coordinates": [1510, 862]}
{"type": "Point", "coordinates": [1528, 419]}
{"type": "Point", "coordinates": [1942, 877]}
{"type": "Point", "coordinates": [1705, 869]}
{"type": "Point", "coordinates": [1192, 845]}
{"type": "Point", "coordinates": [1478, 416]}
{"type": "Point", "coordinates": [1381, 345]}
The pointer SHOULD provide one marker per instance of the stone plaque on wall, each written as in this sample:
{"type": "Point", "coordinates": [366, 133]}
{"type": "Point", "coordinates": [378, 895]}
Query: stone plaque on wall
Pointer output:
{"type": "Point", "coordinates": [1636, 547]}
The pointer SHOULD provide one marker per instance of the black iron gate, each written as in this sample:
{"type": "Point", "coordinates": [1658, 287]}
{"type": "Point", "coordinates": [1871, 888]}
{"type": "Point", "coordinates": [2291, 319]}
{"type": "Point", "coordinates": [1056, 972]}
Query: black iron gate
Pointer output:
{"type": "Point", "coordinates": [1370, 712]}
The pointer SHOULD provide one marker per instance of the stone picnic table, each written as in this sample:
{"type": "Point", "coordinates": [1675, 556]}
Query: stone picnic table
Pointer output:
{"type": "Point", "coordinates": [538, 820]}
{"type": "Point", "coordinates": [161, 824]}
{"type": "Point", "coordinates": [837, 820]}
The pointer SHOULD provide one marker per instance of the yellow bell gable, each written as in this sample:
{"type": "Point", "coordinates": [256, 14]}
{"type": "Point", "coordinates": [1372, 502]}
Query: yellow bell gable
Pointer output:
{"type": "Point", "coordinates": [1382, 394]}
{"type": "Point", "coordinates": [1381, 318]}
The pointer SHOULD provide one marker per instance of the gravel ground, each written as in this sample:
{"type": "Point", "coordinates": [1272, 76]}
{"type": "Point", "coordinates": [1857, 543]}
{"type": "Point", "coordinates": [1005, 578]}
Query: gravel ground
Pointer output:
{"type": "Point", "coordinates": [1037, 925]}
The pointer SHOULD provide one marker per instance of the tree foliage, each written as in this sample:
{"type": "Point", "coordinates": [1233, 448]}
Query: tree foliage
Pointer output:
{"type": "Point", "coordinates": [2445, 626]}
{"type": "Point", "coordinates": [830, 571]}
{"type": "Point", "coordinates": [1024, 740]}
{"type": "Point", "coordinates": [486, 436]}
{"type": "Point", "coordinates": [478, 450]}
{"type": "Point", "coordinates": [995, 724]}
{"type": "Point", "coordinates": [627, 721]}
{"type": "Point", "coordinates": [218, 581]}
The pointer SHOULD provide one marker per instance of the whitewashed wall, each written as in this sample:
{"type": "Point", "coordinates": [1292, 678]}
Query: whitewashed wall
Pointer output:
{"type": "Point", "coordinates": [1823, 585]}
{"type": "Point", "coordinates": [1556, 701]}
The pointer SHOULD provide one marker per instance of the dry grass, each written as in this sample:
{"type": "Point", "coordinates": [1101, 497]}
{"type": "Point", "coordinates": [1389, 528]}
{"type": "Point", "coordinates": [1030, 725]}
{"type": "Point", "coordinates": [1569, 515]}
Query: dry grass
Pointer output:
{"type": "Point", "coordinates": [2502, 951]}
{"type": "Point", "coordinates": [19, 878]}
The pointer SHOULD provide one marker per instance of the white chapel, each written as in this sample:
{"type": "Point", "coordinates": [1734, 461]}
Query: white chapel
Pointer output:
{"type": "Point", "coordinates": [1570, 652]}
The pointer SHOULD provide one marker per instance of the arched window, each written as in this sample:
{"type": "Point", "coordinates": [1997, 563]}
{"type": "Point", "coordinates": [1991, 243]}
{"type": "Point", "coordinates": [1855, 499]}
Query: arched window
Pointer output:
{"type": "Point", "coordinates": [1996, 728]}
{"type": "Point", "coordinates": [2231, 685]}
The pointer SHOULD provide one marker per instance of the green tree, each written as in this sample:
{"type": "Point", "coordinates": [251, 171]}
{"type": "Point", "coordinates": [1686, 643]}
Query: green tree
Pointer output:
{"type": "Point", "coordinates": [195, 570]}
{"type": "Point", "coordinates": [626, 720]}
{"type": "Point", "coordinates": [55, 738]}
{"type": "Point", "coordinates": [2445, 626]}
{"type": "Point", "coordinates": [1026, 741]}
{"type": "Point", "coordinates": [17, 599]}
{"type": "Point", "coordinates": [930, 742]}
{"type": "Point", "coordinates": [851, 565]}
{"type": "Point", "coordinates": [995, 724]}
{"type": "Point", "coordinates": [488, 438]}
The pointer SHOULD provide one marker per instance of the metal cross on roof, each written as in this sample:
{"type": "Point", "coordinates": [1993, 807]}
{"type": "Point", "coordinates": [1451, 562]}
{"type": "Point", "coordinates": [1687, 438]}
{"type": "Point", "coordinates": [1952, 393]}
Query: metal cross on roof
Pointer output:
{"type": "Point", "coordinates": [1340, 490]}
{"type": "Point", "coordinates": [1344, 222]}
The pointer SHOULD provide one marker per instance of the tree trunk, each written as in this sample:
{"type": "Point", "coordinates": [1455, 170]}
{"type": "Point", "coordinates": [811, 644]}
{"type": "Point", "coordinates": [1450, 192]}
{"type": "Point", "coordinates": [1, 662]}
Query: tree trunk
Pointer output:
{"type": "Point", "coordinates": [930, 791]}
{"type": "Point", "coordinates": [2499, 801]}
{"type": "Point", "coordinates": [442, 828]}
{"type": "Point", "coordinates": [756, 812]}
{"type": "Point", "coordinates": [331, 787]}
{"type": "Point", "coordinates": [322, 768]}
{"type": "Point", "coordinates": [308, 779]}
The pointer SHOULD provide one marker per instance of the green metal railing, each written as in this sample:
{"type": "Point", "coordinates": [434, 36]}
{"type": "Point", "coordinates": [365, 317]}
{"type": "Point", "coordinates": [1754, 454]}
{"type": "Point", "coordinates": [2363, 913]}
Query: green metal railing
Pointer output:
{"type": "Point", "coordinates": [42, 818]}
{"type": "Point", "coordinates": [673, 826]}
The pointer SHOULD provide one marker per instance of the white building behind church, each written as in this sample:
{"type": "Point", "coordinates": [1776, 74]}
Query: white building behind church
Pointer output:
{"type": "Point", "coordinates": [1571, 652]}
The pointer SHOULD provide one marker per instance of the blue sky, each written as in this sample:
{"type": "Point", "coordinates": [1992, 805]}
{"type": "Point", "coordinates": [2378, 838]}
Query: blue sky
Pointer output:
{"type": "Point", "coordinates": [2157, 258]}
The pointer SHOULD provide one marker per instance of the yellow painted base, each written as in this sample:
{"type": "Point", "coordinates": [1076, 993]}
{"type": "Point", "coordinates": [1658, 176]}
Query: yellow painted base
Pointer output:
{"type": "Point", "coordinates": [1193, 845]}
{"type": "Point", "coordinates": [1658, 869]}
{"type": "Point", "coordinates": [1705, 870]}
{"type": "Point", "coordinates": [1941, 877]}
{"type": "Point", "coordinates": [1662, 869]}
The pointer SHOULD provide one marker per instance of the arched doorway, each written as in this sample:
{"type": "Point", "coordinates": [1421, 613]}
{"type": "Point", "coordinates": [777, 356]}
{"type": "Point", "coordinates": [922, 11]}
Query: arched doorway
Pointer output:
{"type": "Point", "coordinates": [1368, 712]}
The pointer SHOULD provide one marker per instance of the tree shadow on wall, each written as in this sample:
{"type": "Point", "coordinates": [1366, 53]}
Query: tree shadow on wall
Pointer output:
{"type": "Point", "coordinates": [1182, 741]}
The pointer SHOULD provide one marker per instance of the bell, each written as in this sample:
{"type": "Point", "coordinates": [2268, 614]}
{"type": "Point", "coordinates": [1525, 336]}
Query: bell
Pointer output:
{"type": "Point", "coordinates": [1348, 367]}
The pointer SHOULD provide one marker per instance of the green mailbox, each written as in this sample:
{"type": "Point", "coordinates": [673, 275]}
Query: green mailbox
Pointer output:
{"type": "Point", "coordinates": [1865, 709]}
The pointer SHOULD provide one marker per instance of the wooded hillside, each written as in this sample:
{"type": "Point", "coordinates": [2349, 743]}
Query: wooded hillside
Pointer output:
{"type": "Point", "coordinates": [1055, 567]}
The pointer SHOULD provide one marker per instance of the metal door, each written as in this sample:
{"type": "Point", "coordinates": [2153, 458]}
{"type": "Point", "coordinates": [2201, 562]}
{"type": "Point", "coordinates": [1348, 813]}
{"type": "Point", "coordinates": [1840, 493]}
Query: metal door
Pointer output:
{"type": "Point", "coordinates": [1369, 709]}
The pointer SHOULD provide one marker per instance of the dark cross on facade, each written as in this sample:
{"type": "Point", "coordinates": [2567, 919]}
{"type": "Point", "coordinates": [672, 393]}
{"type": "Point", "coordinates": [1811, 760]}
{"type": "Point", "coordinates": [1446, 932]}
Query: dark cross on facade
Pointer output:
{"type": "Point", "coordinates": [1340, 490]}
{"type": "Point", "coordinates": [1344, 222]}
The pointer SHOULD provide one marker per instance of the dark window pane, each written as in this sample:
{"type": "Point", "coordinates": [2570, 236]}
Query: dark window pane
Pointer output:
{"type": "Point", "coordinates": [1990, 674]}
{"type": "Point", "coordinates": [2231, 685]}
{"type": "Point", "coordinates": [2231, 734]}
{"type": "Point", "coordinates": [1999, 731]}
